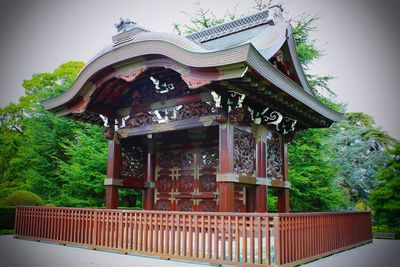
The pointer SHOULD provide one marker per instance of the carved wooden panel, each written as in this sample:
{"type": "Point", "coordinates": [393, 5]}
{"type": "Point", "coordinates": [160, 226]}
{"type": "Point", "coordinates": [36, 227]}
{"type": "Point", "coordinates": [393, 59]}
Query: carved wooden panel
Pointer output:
{"type": "Point", "coordinates": [186, 178]}
{"type": "Point", "coordinates": [244, 152]}
{"type": "Point", "coordinates": [170, 114]}
{"type": "Point", "coordinates": [132, 161]}
{"type": "Point", "coordinates": [240, 199]}
{"type": "Point", "coordinates": [274, 156]}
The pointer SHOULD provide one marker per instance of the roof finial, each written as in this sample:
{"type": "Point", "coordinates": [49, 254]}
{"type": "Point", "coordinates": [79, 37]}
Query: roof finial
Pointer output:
{"type": "Point", "coordinates": [124, 25]}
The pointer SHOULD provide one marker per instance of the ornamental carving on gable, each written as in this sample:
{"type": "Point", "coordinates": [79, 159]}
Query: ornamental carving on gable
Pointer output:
{"type": "Point", "coordinates": [244, 149]}
{"type": "Point", "coordinates": [274, 156]}
{"type": "Point", "coordinates": [170, 114]}
{"type": "Point", "coordinates": [157, 91]}
{"type": "Point", "coordinates": [132, 161]}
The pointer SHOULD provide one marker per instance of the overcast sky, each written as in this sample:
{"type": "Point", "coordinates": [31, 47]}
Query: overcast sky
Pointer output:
{"type": "Point", "coordinates": [360, 39]}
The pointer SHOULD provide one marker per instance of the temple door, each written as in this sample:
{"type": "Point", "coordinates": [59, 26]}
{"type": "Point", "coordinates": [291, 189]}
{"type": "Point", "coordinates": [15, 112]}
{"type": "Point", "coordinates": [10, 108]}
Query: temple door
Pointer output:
{"type": "Point", "coordinates": [186, 178]}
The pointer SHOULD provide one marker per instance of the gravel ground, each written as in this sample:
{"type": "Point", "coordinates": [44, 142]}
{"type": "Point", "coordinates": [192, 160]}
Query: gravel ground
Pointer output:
{"type": "Point", "coordinates": [24, 253]}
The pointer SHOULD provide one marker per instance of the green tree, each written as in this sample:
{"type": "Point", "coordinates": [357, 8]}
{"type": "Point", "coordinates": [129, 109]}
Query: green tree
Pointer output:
{"type": "Point", "coordinates": [35, 143]}
{"type": "Point", "coordinates": [385, 198]}
{"type": "Point", "coordinates": [83, 173]}
{"type": "Point", "coordinates": [311, 174]}
{"type": "Point", "coordinates": [359, 151]}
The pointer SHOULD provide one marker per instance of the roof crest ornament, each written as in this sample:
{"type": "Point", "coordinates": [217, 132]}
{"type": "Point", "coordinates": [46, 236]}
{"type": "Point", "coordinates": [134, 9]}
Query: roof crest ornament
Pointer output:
{"type": "Point", "coordinates": [126, 30]}
{"type": "Point", "coordinates": [270, 15]}
{"type": "Point", "coordinates": [125, 25]}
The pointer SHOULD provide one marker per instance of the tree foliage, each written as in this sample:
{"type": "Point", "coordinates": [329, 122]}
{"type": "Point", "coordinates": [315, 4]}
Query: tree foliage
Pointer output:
{"type": "Point", "coordinates": [385, 198]}
{"type": "Point", "coordinates": [22, 198]}
{"type": "Point", "coordinates": [359, 151]}
{"type": "Point", "coordinates": [311, 174]}
{"type": "Point", "coordinates": [36, 145]}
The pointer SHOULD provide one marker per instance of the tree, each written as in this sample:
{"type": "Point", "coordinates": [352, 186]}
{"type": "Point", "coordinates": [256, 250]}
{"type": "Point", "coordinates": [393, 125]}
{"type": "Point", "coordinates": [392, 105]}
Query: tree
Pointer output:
{"type": "Point", "coordinates": [359, 150]}
{"type": "Point", "coordinates": [36, 145]}
{"type": "Point", "coordinates": [385, 198]}
{"type": "Point", "coordinates": [83, 172]}
{"type": "Point", "coordinates": [311, 174]}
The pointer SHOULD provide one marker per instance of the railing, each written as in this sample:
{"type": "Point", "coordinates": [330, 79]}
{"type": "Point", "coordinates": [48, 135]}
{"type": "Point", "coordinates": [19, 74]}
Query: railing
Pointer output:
{"type": "Point", "coordinates": [304, 237]}
{"type": "Point", "coordinates": [218, 238]}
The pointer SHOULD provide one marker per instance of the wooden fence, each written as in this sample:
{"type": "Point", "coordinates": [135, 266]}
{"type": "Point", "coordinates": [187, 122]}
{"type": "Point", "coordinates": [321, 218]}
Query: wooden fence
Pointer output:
{"type": "Point", "coordinates": [218, 238]}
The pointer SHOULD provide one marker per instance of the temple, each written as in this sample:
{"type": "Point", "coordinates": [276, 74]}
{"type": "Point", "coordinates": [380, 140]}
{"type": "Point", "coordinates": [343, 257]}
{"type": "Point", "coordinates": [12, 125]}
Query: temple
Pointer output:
{"type": "Point", "coordinates": [198, 122]}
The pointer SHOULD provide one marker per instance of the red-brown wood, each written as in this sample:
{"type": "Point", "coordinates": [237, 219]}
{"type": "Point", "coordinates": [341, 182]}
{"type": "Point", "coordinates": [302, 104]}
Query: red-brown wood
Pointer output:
{"type": "Point", "coordinates": [261, 190]}
{"type": "Point", "coordinates": [148, 199]}
{"type": "Point", "coordinates": [226, 165]}
{"type": "Point", "coordinates": [219, 238]}
{"type": "Point", "coordinates": [113, 172]}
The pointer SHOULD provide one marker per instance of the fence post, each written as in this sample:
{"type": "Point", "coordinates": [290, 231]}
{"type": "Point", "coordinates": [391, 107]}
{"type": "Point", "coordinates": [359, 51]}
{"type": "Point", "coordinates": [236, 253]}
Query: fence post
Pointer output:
{"type": "Point", "coordinates": [277, 242]}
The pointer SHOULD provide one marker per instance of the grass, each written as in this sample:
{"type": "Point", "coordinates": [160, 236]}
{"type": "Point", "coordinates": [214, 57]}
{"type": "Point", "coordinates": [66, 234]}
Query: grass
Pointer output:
{"type": "Point", "coordinates": [6, 232]}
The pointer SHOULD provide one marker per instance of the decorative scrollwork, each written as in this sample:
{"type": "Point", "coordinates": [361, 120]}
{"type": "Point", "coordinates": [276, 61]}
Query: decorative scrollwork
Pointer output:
{"type": "Point", "coordinates": [287, 125]}
{"type": "Point", "coordinates": [140, 119]}
{"type": "Point", "coordinates": [164, 184]}
{"type": "Point", "coordinates": [185, 205]}
{"type": "Point", "coordinates": [185, 184]}
{"type": "Point", "coordinates": [169, 160]}
{"type": "Point", "coordinates": [229, 106]}
{"type": "Point", "coordinates": [157, 90]}
{"type": "Point", "coordinates": [132, 158]}
{"type": "Point", "coordinates": [207, 184]}
{"type": "Point", "coordinates": [274, 156]}
{"type": "Point", "coordinates": [170, 114]}
{"type": "Point", "coordinates": [163, 205]}
{"type": "Point", "coordinates": [208, 205]}
{"type": "Point", "coordinates": [209, 157]}
{"type": "Point", "coordinates": [244, 152]}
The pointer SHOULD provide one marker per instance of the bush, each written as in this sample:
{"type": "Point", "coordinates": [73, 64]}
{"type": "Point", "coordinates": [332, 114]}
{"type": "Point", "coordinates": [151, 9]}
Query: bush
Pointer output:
{"type": "Point", "coordinates": [7, 232]}
{"type": "Point", "coordinates": [7, 217]}
{"type": "Point", "coordinates": [22, 198]}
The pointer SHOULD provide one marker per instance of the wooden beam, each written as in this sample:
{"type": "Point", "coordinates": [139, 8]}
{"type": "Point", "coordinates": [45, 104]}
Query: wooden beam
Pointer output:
{"type": "Point", "coordinates": [113, 172]}
{"type": "Point", "coordinates": [283, 200]}
{"type": "Point", "coordinates": [261, 190]}
{"type": "Point", "coordinates": [148, 199]}
{"type": "Point", "coordinates": [226, 165]}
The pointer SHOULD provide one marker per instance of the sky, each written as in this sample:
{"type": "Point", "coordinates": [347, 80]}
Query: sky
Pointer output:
{"type": "Point", "coordinates": [359, 39]}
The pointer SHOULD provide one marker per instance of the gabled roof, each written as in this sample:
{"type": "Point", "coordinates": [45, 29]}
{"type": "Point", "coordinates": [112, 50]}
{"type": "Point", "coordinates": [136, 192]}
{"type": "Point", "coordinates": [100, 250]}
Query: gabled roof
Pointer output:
{"type": "Point", "coordinates": [230, 50]}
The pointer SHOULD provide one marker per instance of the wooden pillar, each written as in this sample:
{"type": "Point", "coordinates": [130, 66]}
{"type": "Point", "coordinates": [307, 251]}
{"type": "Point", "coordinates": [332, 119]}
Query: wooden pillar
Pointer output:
{"type": "Point", "coordinates": [251, 198]}
{"type": "Point", "coordinates": [283, 194]}
{"type": "Point", "coordinates": [261, 164]}
{"type": "Point", "coordinates": [148, 199]}
{"type": "Point", "coordinates": [226, 166]}
{"type": "Point", "coordinates": [113, 171]}
{"type": "Point", "coordinates": [283, 200]}
{"type": "Point", "coordinates": [111, 197]}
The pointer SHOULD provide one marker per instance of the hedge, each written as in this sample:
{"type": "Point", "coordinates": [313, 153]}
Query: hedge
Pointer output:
{"type": "Point", "coordinates": [22, 198]}
{"type": "Point", "coordinates": [7, 218]}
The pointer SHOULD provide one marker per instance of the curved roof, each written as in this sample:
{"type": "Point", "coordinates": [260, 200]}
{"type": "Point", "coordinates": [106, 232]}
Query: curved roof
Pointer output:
{"type": "Point", "coordinates": [250, 44]}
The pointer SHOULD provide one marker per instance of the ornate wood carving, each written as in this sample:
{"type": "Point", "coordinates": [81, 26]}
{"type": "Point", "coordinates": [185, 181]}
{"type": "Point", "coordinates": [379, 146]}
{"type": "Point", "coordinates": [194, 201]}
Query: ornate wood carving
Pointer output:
{"type": "Point", "coordinates": [178, 159]}
{"type": "Point", "coordinates": [274, 156]}
{"type": "Point", "coordinates": [133, 158]}
{"type": "Point", "coordinates": [156, 91]}
{"type": "Point", "coordinates": [187, 184]}
{"type": "Point", "coordinates": [170, 114]}
{"type": "Point", "coordinates": [194, 83]}
{"type": "Point", "coordinates": [209, 157]}
{"type": "Point", "coordinates": [244, 152]}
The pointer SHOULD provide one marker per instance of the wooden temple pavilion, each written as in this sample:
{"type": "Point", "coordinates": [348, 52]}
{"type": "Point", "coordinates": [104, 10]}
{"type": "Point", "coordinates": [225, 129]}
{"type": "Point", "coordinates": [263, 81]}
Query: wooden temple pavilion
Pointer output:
{"type": "Point", "coordinates": [201, 124]}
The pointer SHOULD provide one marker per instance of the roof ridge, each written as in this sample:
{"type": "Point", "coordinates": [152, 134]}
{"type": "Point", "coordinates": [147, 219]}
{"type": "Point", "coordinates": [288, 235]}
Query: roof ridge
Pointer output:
{"type": "Point", "coordinates": [269, 15]}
